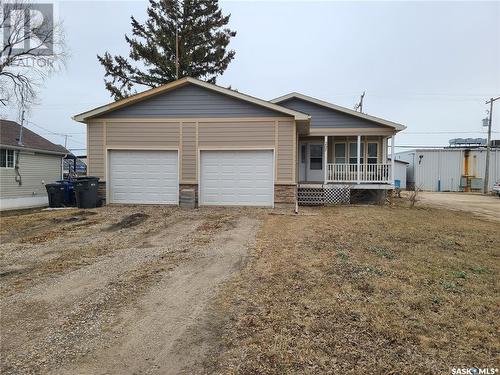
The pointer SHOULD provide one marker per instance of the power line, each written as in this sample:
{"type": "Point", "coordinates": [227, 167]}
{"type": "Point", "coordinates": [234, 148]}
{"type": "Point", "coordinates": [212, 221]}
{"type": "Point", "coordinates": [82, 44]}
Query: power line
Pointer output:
{"type": "Point", "coordinates": [65, 135]}
{"type": "Point", "coordinates": [450, 132]}
{"type": "Point", "coordinates": [417, 146]}
{"type": "Point", "coordinates": [80, 143]}
{"type": "Point", "coordinates": [47, 130]}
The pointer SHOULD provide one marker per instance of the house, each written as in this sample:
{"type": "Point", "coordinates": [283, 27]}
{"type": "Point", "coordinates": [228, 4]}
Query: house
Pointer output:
{"type": "Point", "coordinates": [232, 148]}
{"type": "Point", "coordinates": [459, 167]}
{"type": "Point", "coordinates": [26, 165]}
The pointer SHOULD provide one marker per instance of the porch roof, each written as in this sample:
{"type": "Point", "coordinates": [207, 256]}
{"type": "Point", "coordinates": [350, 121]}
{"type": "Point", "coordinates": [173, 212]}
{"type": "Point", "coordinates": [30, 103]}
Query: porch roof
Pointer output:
{"type": "Point", "coordinates": [393, 126]}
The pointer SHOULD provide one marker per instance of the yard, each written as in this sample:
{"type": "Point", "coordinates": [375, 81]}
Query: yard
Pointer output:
{"type": "Point", "coordinates": [357, 289]}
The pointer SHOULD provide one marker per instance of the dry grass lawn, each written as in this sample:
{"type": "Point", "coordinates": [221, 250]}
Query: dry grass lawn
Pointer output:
{"type": "Point", "coordinates": [363, 289]}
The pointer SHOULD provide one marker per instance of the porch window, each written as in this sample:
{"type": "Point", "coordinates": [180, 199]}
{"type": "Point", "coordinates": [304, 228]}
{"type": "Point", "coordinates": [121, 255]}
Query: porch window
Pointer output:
{"type": "Point", "coordinates": [340, 153]}
{"type": "Point", "coordinates": [353, 153]}
{"type": "Point", "coordinates": [316, 157]}
{"type": "Point", "coordinates": [6, 158]}
{"type": "Point", "coordinates": [372, 153]}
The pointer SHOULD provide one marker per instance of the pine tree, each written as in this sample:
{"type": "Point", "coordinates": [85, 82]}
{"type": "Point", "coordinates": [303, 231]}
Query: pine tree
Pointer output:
{"type": "Point", "coordinates": [202, 44]}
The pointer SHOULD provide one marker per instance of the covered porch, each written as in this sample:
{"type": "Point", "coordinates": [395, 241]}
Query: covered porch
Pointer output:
{"type": "Point", "coordinates": [360, 161]}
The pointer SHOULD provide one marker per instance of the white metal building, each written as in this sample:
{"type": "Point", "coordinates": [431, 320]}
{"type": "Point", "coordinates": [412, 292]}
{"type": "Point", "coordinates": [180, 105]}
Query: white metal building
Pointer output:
{"type": "Point", "coordinates": [400, 167]}
{"type": "Point", "coordinates": [450, 169]}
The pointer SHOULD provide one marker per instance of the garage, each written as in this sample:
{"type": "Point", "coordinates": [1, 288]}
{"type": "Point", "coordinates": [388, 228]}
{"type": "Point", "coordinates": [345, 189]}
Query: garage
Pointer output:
{"type": "Point", "coordinates": [143, 176]}
{"type": "Point", "coordinates": [237, 178]}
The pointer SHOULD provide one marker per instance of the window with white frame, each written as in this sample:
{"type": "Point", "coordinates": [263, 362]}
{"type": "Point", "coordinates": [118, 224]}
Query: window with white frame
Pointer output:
{"type": "Point", "coordinates": [372, 155]}
{"type": "Point", "coordinates": [7, 158]}
{"type": "Point", "coordinates": [353, 153]}
{"type": "Point", "coordinates": [315, 157]}
{"type": "Point", "coordinates": [340, 151]}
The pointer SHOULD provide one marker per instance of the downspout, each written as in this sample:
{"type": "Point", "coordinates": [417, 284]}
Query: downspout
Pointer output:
{"type": "Point", "coordinates": [297, 170]}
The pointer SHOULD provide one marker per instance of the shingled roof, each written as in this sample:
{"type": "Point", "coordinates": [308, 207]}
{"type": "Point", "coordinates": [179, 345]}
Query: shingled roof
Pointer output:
{"type": "Point", "coordinates": [9, 136]}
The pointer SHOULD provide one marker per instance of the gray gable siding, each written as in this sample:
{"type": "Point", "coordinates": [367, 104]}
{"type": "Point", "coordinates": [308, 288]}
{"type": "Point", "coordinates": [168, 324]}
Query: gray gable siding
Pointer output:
{"type": "Point", "coordinates": [322, 117]}
{"type": "Point", "coordinates": [193, 102]}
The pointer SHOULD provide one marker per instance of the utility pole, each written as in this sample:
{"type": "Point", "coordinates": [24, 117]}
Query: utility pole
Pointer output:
{"type": "Point", "coordinates": [20, 141]}
{"type": "Point", "coordinates": [176, 52]}
{"type": "Point", "coordinates": [360, 104]}
{"type": "Point", "coordinates": [488, 148]}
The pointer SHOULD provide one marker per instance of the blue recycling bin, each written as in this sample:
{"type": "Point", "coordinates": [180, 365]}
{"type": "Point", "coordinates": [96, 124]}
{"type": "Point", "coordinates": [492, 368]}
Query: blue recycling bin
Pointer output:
{"type": "Point", "coordinates": [69, 194]}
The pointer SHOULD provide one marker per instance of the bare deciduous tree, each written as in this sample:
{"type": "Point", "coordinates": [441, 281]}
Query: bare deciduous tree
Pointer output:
{"type": "Point", "coordinates": [32, 46]}
{"type": "Point", "coordinates": [413, 196]}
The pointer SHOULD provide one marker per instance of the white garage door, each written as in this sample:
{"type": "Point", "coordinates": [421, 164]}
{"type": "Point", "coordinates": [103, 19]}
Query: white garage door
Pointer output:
{"type": "Point", "coordinates": [143, 177]}
{"type": "Point", "coordinates": [237, 178]}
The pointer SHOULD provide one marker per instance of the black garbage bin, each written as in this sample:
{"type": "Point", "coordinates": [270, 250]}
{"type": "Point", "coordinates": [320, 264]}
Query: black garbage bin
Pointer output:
{"type": "Point", "coordinates": [86, 191]}
{"type": "Point", "coordinates": [55, 192]}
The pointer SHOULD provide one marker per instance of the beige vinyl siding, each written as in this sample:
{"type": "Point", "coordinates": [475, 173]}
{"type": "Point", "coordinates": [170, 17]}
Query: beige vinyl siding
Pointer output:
{"type": "Point", "coordinates": [251, 133]}
{"type": "Point", "coordinates": [188, 173]}
{"type": "Point", "coordinates": [152, 134]}
{"type": "Point", "coordinates": [95, 150]}
{"type": "Point", "coordinates": [35, 170]}
{"type": "Point", "coordinates": [236, 134]}
{"type": "Point", "coordinates": [285, 151]}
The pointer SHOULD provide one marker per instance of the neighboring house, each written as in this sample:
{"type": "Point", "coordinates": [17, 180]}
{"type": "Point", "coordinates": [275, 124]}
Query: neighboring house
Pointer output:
{"type": "Point", "coordinates": [232, 148]}
{"type": "Point", "coordinates": [26, 168]}
{"type": "Point", "coordinates": [457, 168]}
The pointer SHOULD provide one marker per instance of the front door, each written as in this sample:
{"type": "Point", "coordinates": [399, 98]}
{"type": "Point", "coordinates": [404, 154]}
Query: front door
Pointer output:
{"type": "Point", "coordinates": [311, 162]}
{"type": "Point", "coordinates": [315, 162]}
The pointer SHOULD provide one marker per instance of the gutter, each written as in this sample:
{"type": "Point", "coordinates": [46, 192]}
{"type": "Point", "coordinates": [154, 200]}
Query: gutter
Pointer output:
{"type": "Point", "coordinates": [18, 148]}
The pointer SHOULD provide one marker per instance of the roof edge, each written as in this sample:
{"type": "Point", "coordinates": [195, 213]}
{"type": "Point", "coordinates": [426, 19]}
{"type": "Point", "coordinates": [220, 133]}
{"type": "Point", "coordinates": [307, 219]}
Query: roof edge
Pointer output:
{"type": "Point", "coordinates": [84, 116]}
{"type": "Point", "coordinates": [398, 127]}
{"type": "Point", "coordinates": [39, 150]}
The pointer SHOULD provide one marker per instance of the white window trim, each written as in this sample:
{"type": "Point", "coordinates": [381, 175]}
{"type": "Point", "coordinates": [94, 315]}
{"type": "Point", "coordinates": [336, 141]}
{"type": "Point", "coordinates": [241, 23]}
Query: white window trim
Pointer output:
{"type": "Point", "coordinates": [6, 159]}
{"type": "Point", "coordinates": [322, 156]}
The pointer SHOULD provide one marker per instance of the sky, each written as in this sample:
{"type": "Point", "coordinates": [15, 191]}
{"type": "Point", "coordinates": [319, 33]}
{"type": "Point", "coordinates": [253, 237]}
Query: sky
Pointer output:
{"type": "Point", "coordinates": [428, 65]}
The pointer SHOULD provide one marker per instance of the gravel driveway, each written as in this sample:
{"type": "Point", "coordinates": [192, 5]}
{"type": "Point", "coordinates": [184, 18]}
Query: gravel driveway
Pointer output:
{"type": "Point", "coordinates": [115, 290]}
{"type": "Point", "coordinates": [485, 206]}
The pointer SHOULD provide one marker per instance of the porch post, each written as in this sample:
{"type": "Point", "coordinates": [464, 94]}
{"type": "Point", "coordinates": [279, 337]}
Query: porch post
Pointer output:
{"type": "Point", "coordinates": [392, 159]}
{"type": "Point", "coordinates": [385, 145]}
{"type": "Point", "coordinates": [325, 158]}
{"type": "Point", "coordinates": [359, 159]}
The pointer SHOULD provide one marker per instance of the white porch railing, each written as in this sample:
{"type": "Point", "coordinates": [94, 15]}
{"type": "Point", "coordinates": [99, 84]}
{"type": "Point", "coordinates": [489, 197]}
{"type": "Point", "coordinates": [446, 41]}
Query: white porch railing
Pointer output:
{"type": "Point", "coordinates": [368, 173]}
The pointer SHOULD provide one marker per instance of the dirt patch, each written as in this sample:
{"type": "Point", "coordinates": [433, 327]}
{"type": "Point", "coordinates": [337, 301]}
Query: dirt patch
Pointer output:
{"type": "Point", "coordinates": [364, 289]}
{"type": "Point", "coordinates": [82, 215]}
{"type": "Point", "coordinates": [129, 221]}
{"type": "Point", "coordinates": [90, 300]}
